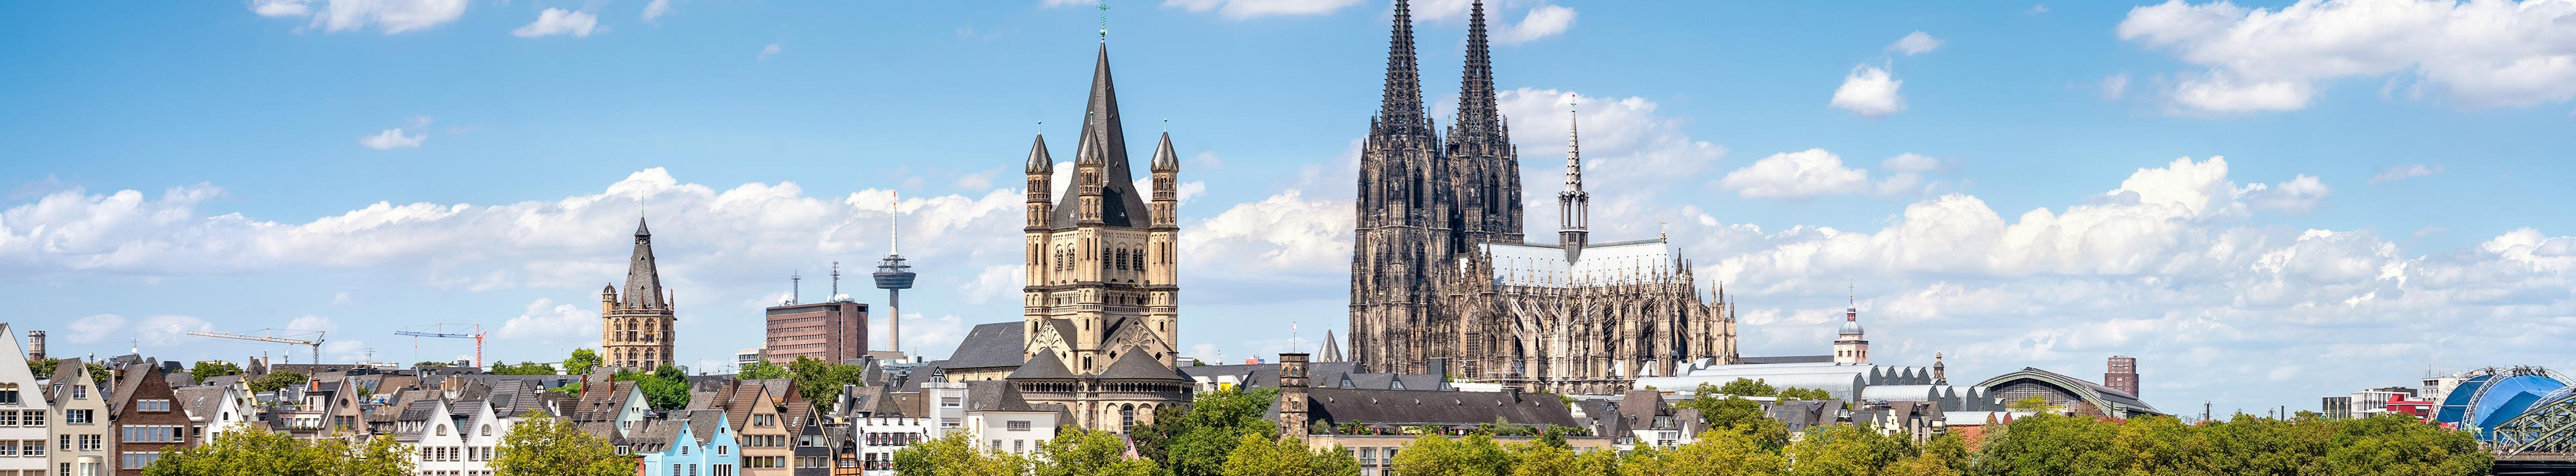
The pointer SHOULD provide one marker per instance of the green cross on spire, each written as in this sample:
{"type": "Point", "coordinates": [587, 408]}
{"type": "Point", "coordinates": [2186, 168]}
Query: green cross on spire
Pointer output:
{"type": "Point", "coordinates": [1104, 20]}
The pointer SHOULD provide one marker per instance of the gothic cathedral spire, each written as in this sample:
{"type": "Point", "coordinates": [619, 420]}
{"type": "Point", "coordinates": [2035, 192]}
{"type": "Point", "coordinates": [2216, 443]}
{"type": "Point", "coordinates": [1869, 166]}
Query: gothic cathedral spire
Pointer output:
{"type": "Point", "coordinates": [1480, 151]}
{"type": "Point", "coordinates": [1402, 110]}
{"type": "Point", "coordinates": [1574, 206]}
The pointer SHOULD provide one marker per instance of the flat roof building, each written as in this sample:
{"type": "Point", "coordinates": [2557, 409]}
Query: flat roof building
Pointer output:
{"type": "Point", "coordinates": [830, 331]}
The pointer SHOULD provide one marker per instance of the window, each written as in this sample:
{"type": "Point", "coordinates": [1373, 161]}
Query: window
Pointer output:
{"type": "Point", "coordinates": [720, 450]}
{"type": "Point", "coordinates": [1019, 446]}
{"type": "Point", "coordinates": [34, 418]}
{"type": "Point", "coordinates": [137, 459]}
{"type": "Point", "coordinates": [10, 448]}
{"type": "Point", "coordinates": [93, 442]}
{"type": "Point", "coordinates": [9, 418]}
{"type": "Point", "coordinates": [9, 396]}
{"type": "Point", "coordinates": [442, 430]}
{"type": "Point", "coordinates": [80, 392]}
{"type": "Point", "coordinates": [684, 450]}
{"type": "Point", "coordinates": [32, 447]}
{"type": "Point", "coordinates": [1016, 425]}
{"type": "Point", "coordinates": [950, 402]}
{"type": "Point", "coordinates": [67, 442]}
{"type": "Point", "coordinates": [1126, 418]}
{"type": "Point", "coordinates": [487, 429]}
{"type": "Point", "coordinates": [152, 405]}
{"type": "Point", "coordinates": [79, 417]}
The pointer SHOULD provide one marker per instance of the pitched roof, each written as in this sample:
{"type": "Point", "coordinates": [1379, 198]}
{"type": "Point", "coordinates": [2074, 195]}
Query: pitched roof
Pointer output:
{"type": "Point", "coordinates": [997, 344]}
{"type": "Point", "coordinates": [1332, 351]}
{"type": "Point", "coordinates": [200, 402]}
{"type": "Point", "coordinates": [1044, 366]}
{"type": "Point", "coordinates": [1434, 407]}
{"type": "Point", "coordinates": [67, 370]}
{"type": "Point", "coordinates": [1138, 366]}
{"type": "Point", "coordinates": [1103, 139]}
{"type": "Point", "coordinates": [995, 395]}
{"type": "Point", "coordinates": [1039, 162]}
{"type": "Point", "coordinates": [643, 281]}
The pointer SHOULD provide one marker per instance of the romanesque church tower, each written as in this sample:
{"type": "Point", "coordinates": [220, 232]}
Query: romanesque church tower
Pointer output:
{"type": "Point", "coordinates": [636, 326]}
{"type": "Point", "coordinates": [1102, 297]}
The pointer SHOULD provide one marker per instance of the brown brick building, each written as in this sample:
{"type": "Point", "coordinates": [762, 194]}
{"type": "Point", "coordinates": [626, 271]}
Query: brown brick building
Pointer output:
{"type": "Point", "coordinates": [146, 418]}
{"type": "Point", "coordinates": [831, 331]}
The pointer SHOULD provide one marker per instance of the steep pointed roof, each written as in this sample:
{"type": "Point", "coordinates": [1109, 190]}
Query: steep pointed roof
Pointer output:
{"type": "Point", "coordinates": [1105, 140]}
{"type": "Point", "coordinates": [1137, 366]}
{"type": "Point", "coordinates": [1401, 110]}
{"type": "Point", "coordinates": [1477, 112]}
{"type": "Point", "coordinates": [1044, 365]}
{"type": "Point", "coordinates": [1039, 162]}
{"type": "Point", "coordinates": [1332, 351]}
{"type": "Point", "coordinates": [1164, 159]}
{"type": "Point", "coordinates": [643, 281]}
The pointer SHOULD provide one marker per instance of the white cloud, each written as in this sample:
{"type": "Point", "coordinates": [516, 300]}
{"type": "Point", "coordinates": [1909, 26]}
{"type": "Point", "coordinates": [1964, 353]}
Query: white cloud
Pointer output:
{"type": "Point", "coordinates": [2403, 172]}
{"type": "Point", "coordinates": [2115, 85]}
{"type": "Point", "coordinates": [1802, 174]}
{"type": "Point", "coordinates": [2296, 197]}
{"type": "Point", "coordinates": [1911, 162]}
{"type": "Point", "coordinates": [768, 51]}
{"type": "Point", "coordinates": [656, 9]}
{"type": "Point", "coordinates": [1541, 22]}
{"type": "Point", "coordinates": [1286, 233]}
{"type": "Point", "coordinates": [155, 331]}
{"type": "Point", "coordinates": [2480, 53]}
{"type": "Point", "coordinates": [554, 325]}
{"type": "Point", "coordinates": [1239, 9]}
{"type": "Point", "coordinates": [390, 16]}
{"type": "Point", "coordinates": [557, 21]}
{"type": "Point", "coordinates": [396, 138]}
{"type": "Point", "coordinates": [310, 322]}
{"type": "Point", "coordinates": [1869, 91]}
{"type": "Point", "coordinates": [1206, 161]}
{"type": "Point", "coordinates": [1915, 43]}
{"type": "Point", "coordinates": [2036, 9]}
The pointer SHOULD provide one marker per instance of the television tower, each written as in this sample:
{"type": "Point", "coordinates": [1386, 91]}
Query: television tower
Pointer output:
{"type": "Point", "coordinates": [894, 277]}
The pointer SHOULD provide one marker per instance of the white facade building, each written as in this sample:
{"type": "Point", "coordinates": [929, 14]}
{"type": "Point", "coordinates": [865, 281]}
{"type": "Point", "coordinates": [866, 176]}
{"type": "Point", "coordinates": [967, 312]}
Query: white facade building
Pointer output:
{"type": "Point", "coordinates": [25, 440]}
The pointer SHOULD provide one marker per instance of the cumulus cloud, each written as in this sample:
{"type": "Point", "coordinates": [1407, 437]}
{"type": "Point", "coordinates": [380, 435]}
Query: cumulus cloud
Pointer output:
{"type": "Point", "coordinates": [1915, 43]}
{"type": "Point", "coordinates": [557, 21]}
{"type": "Point", "coordinates": [412, 133]}
{"type": "Point", "coordinates": [556, 325]}
{"type": "Point", "coordinates": [2403, 172]}
{"type": "Point", "coordinates": [1869, 91]}
{"type": "Point", "coordinates": [1240, 9]}
{"type": "Point", "coordinates": [1286, 233]}
{"type": "Point", "coordinates": [1815, 172]}
{"type": "Point", "coordinates": [155, 331]}
{"type": "Point", "coordinates": [1541, 22]}
{"type": "Point", "coordinates": [2478, 53]}
{"type": "Point", "coordinates": [2296, 197]}
{"type": "Point", "coordinates": [389, 16]}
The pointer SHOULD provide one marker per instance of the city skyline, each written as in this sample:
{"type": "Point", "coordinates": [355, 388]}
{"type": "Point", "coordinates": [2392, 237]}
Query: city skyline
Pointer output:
{"type": "Point", "coordinates": [2008, 184]}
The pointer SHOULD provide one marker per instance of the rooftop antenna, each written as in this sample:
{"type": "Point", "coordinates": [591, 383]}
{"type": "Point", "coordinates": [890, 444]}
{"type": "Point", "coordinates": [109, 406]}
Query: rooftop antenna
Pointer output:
{"type": "Point", "coordinates": [836, 279]}
{"type": "Point", "coordinates": [795, 286]}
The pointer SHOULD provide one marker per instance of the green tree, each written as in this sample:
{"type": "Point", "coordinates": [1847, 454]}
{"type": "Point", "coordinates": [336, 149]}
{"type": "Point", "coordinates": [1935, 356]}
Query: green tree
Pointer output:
{"type": "Point", "coordinates": [820, 382]}
{"type": "Point", "coordinates": [1744, 387]}
{"type": "Point", "coordinates": [1540, 459]}
{"type": "Point", "coordinates": [1076, 452]}
{"type": "Point", "coordinates": [1196, 441]}
{"type": "Point", "coordinates": [1945, 455]}
{"type": "Point", "coordinates": [277, 380]}
{"type": "Point", "coordinates": [206, 369]}
{"type": "Point", "coordinates": [530, 368]}
{"type": "Point", "coordinates": [761, 370]}
{"type": "Point", "coordinates": [956, 455]}
{"type": "Point", "coordinates": [1433, 454]}
{"type": "Point", "coordinates": [99, 375]}
{"type": "Point", "coordinates": [1717, 453]}
{"type": "Point", "coordinates": [43, 367]}
{"type": "Point", "coordinates": [2048, 444]}
{"type": "Point", "coordinates": [1845, 449]}
{"type": "Point", "coordinates": [2031, 405]}
{"type": "Point", "coordinates": [582, 361]}
{"type": "Point", "coordinates": [665, 389]}
{"type": "Point", "coordinates": [544, 445]}
{"type": "Point", "coordinates": [1257, 455]}
{"type": "Point", "coordinates": [2399, 444]}
{"type": "Point", "coordinates": [1810, 394]}
{"type": "Point", "coordinates": [262, 453]}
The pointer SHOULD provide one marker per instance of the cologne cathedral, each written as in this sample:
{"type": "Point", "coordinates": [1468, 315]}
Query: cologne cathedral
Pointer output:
{"type": "Point", "coordinates": [1440, 267]}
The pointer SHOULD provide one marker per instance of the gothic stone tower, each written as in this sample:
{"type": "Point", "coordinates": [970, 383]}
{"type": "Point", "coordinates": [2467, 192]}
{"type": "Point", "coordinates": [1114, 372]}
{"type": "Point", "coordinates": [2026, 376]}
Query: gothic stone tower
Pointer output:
{"type": "Point", "coordinates": [1422, 201]}
{"type": "Point", "coordinates": [1102, 305]}
{"type": "Point", "coordinates": [636, 328]}
{"type": "Point", "coordinates": [1404, 225]}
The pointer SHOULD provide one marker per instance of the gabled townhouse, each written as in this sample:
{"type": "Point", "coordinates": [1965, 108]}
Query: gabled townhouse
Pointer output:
{"type": "Point", "coordinates": [813, 451]}
{"type": "Point", "coordinates": [614, 410]}
{"type": "Point", "coordinates": [763, 430]}
{"type": "Point", "coordinates": [24, 434]}
{"type": "Point", "coordinates": [145, 416]}
{"type": "Point", "coordinates": [1005, 421]}
{"type": "Point", "coordinates": [689, 443]}
{"type": "Point", "coordinates": [430, 427]}
{"type": "Point", "coordinates": [323, 408]}
{"type": "Point", "coordinates": [79, 425]}
{"type": "Point", "coordinates": [875, 439]}
{"type": "Point", "coordinates": [213, 410]}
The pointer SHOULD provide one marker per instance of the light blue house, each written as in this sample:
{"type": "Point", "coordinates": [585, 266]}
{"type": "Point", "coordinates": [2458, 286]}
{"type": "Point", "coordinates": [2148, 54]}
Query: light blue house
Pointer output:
{"type": "Point", "coordinates": [689, 443]}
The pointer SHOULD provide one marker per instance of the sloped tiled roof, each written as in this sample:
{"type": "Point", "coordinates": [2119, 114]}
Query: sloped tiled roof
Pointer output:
{"type": "Point", "coordinates": [200, 402]}
{"type": "Point", "coordinates": [995, 395]}
{"type": "Point", "coordinates": [1043, 366]}
{"type": "Point", "coordinates": [1138, 366]}
{"type": "Point", "coordinates": [997, 344]}
{"type": "Point", "coordinates": [1416, 407]}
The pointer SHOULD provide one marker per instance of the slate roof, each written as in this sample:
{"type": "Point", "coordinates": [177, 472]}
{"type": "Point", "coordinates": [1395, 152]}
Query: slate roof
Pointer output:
{"type": "Point", "coordinates": [655, 435]}
{"type": "Point", "coordinates": [1103, 140]}
{"type": "Point", "coordinates": [989, 345]}
{"type": "Point", "coordinates": [65, 371]}
{"type": "Point", "coordinates": [643, 281]}
{"type": "Point", "coordinates": [1044, 366]}
{"type": "Point", "coordinates": [1435, 407]}
{"type": "Point", "coordinates": [601, 404]}
{"type": "Point", "coordinates": [200, 402]}
{"type": "Point", "coordinates": [704, 424]}
{"type": "Point", "coordinates": [1138, 366]}
{"type": "Point", "coordinates": [995, 395]}
{"type": "Point", "coordinates": [1801, 414]}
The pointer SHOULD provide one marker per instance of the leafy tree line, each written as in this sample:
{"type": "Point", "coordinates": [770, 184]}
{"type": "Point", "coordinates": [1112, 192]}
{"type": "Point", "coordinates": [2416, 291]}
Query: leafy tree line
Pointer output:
{"type": "Point", "coordinates": [540, 446]}
{"type": "Point", "coordinates": [818, 381]}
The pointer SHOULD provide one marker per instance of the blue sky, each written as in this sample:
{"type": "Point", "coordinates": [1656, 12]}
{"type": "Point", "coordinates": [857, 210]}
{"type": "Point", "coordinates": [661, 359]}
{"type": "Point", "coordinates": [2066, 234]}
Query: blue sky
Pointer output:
{"type": "Point", "coordinates": [2020, 185]}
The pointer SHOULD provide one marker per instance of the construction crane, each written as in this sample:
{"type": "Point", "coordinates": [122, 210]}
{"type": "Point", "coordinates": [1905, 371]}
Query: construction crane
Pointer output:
{"type": "Point", "coordinates": [450, 331]}
{"type": "Point", "coordinates": [281, 336]}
